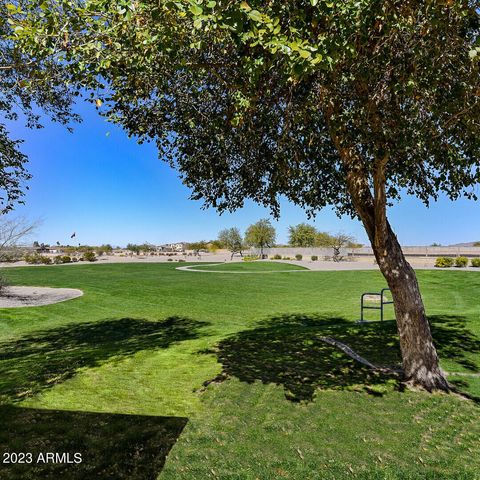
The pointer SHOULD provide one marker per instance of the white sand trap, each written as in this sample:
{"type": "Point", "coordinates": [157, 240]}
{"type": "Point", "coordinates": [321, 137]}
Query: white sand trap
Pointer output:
{"type": "Point", "coordinates": [36, 296]}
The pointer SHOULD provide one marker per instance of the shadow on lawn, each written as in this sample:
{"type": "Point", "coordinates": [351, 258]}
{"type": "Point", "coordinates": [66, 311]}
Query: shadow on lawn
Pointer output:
{"type": "Point", "coordinates": [112, 447]}
{"type": "Point", "coordinates": [31, 364]}
{"type": "Point", "coordinates": [287, 350]}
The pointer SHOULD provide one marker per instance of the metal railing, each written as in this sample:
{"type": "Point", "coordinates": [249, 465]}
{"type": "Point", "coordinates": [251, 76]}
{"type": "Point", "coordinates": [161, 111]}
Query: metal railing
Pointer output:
{"type": "Point", "coordinates": [373, 307]}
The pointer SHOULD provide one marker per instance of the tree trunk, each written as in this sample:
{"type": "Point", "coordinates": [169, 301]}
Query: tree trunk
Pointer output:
{"type": "Point", "coordinates": [419, 356]}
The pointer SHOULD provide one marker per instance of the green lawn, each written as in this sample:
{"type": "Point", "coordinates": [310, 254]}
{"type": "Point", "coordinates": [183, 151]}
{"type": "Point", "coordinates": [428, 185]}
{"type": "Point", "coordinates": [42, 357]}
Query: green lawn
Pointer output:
{"type": "Point", "coordinates": [145, 338]}
{"type": "Point", "coordinates": [257, 266]}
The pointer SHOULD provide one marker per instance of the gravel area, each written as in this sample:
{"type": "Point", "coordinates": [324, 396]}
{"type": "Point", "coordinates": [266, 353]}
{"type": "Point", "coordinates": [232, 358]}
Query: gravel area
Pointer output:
{"type": "Point", "coordinates": [36, 296]}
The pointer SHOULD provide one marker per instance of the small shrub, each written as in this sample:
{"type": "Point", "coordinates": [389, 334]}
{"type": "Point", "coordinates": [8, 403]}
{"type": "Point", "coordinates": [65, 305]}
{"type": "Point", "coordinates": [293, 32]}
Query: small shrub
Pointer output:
{"type": "Point", "coordinates": [461, 261]}
{"type": "Point", "coordinates": [59, 259]}
{"type": "Point", "coordinates": [10, 257]}
{"type": "Point", "coordinates": [475, 262]}
{"type": "Point", "coordinates": [314, 258]}
{"type": "Point", "coordinates": [74, 259]}
{"type": "Point", "coordinates": [89, 256]}
{"type": "Point", "coordinates": [250, 258]}
{"type": "Point", "coordinates": [169, 259]}
{"type": "Point", "coordinates": [298, 256]}
{"type": "Point", "coordinates": [31, 258]}
{"type": "Point", "coordinates": [444, 262]}
{"type": "Point", "coordinates": [286, 258]}
{"type": "Point", "coordinates": [277, 257]}
{"type": "Point", "coordinates": [37, 259]}
{"type": "Point", "coordinates": [181, 260]}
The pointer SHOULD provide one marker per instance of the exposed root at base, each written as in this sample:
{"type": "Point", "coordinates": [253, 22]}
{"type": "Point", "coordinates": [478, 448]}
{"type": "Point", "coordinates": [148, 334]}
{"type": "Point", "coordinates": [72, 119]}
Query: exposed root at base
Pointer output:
{"type": "Point", "coordinates": [352, 354]}
{"type": "Point", "coordinates": [403, 384]}
{"type": "Point", "coordinates": [221, 377]}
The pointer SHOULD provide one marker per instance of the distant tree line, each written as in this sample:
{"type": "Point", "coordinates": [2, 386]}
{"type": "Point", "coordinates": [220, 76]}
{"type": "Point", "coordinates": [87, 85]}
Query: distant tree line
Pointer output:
{"type": "Point", "coordinates": [262, 234]}
{"type": "Point", "coordinates": [141, 248]}
{"type": "Point", "coordinates": [305, 235]}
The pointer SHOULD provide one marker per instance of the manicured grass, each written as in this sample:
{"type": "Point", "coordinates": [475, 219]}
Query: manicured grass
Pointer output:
{"type": "Point", "coordinates": [256, 266]}
{"type": "Point", "coordinates": [145, 337]}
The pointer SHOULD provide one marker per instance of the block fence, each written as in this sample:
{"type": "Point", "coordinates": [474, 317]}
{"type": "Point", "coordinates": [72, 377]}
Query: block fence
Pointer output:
{"type": "Point", "coordinates": [470, 252]}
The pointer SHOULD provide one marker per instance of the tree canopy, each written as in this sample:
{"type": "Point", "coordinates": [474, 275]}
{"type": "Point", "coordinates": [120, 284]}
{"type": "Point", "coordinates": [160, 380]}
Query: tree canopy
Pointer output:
{"type": "Point", "coordinates": [47, 94]}
{"type": "Point", "coordinates": [260, 234]}
{"type": "Point", "coordinates": [231, 238]}
{"type": "Point", "coordinates": [302, 235]}
{"type": "Point", "coordinates": [223, 86]}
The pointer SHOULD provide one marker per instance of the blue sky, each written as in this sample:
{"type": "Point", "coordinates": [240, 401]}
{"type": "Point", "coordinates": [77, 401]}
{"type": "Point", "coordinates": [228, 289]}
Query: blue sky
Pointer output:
{"type": "Point", "coordinates": [108, 189]}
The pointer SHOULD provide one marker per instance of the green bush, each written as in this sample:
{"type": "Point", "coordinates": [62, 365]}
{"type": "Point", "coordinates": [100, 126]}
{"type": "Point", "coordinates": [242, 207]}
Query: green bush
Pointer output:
{"type": "Point", "coordinates": [286, 258]}
{"type": "Point", "coordinates": [461, 261]}
{"type": "Point", "coordinates": [30, 258]}
{"type": "Point", "coordinates": [169, 259]}
{"type": "Point", "coordinates": [36, 259]}
{"type": "Point", "coordinates": [298, 256]}
{"type": "Point", "coordinates": [59, 259]}
{"type": "Point", "coordinates": [89, 256]}
{"type": "Point", "coordinates": [251, 258]}
{"type": "Point", "coordinates": [444, 262]}
{"type": "Point", "coordinates": [277, 257]}
{"type": "Point", "coordinates": [11, 257]}
{"type": "Point", "coordinates": [314, 258]}
{"type": "Point", "coordinates": [475, 262]}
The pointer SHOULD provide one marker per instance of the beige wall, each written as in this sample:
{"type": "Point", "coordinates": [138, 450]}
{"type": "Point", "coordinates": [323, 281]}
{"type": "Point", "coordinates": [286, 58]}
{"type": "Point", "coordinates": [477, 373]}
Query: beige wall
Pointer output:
{"type": "Point", "coordinates": [367, 251]}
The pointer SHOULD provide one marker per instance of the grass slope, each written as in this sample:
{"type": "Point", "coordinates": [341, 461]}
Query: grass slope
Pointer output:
{"type": "Point", "coordinates": [145, 337]}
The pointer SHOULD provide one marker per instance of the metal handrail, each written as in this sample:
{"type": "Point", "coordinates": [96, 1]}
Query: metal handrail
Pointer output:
{"type": "Point", "coordinates": [382, 303]}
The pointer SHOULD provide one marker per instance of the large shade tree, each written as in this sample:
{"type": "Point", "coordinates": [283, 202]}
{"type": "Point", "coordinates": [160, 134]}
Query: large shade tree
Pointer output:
{"type": "Point", "coordinates": [350, 104]}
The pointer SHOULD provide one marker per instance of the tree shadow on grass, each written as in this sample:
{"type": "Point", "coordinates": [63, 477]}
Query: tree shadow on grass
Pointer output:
{"type": "Point", "coordinates": [111, 446]}
{"type": "Point", "coordinates": [287, 350]}
{"type": "Point", "coordinates": [455, 341]}
{"type": "Point", "coordinates": [34, 363]}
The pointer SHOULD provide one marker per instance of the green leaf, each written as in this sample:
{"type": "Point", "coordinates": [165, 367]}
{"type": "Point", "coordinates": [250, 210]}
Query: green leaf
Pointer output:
{"type": "Point", "coordinates": [196, 10]}
{"type": "Point", "coordinates": [255, 15]}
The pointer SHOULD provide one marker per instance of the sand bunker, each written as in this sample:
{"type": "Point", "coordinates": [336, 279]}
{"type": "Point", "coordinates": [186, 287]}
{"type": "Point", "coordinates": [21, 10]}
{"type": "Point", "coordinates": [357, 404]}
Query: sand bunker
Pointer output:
{"type": "Point", "coordinates": [36, 296]}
